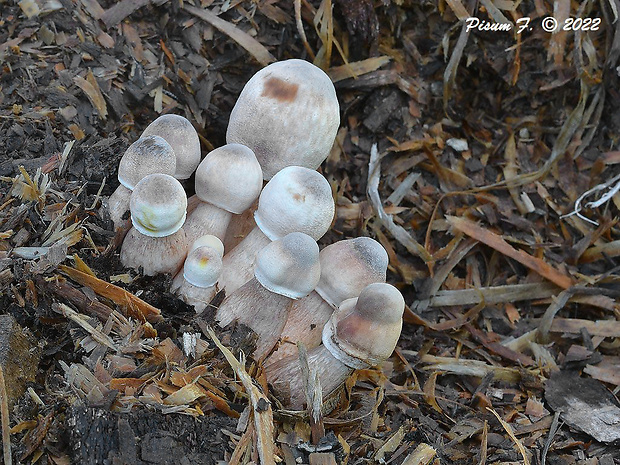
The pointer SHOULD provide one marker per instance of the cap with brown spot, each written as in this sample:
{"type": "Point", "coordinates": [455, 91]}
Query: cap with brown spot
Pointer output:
{"type": "Point", "coordinates": [288, 114]}
{"type": "Point", "coordinates": [296, 199]}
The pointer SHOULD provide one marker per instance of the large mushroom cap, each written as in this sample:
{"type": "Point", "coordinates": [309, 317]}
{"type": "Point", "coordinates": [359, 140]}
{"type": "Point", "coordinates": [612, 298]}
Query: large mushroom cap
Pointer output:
{"type": "Point", "coordinates": [230, 178]}
{"type": "Point", "coordinates": [296, 199]}
{"type": "Point", "coordinates": [364, 331]}
{"type": "Point", "coordinates": [158, 205]}
{"type": "Point", "coordinates": [183, 139]}
{"type": "Point", "coordinates": [202, 267]}
{"type": "Point", "coordinates": [288, 114]}
{"type": "Point", "coordinates": [147, 155]}
{"type": "Point", "coordinates": [348, 266]}
{"type": "Point", "coordinates": [289, 266]}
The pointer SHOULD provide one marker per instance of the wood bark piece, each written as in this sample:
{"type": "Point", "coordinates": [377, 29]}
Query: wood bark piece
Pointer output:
{"type": "Point", "coordinates": [146, 437]}
{"type": "Point", "coordinates": [132, 305]}
{"type": "Point", "coordinates": [584, 404]}
{"type": "Point", "coordinates": [19, 357]}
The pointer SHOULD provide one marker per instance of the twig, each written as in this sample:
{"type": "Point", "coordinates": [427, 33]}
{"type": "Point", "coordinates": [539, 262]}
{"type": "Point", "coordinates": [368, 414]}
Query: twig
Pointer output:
{"type": "Point", "coordinates": [300, 29]}
{"type": "Point", "coordinates": [552, 432]}
{"type": "Point", "coordinates": [4, 410]}
{"type": "Point", "coordinates": [511, 433]}
{"type": "Point", "coordinates": [399, 233]}
{"type": "Point", "coordinates": [612, 189]}
{"type": "Point", "coordinates": [314, 395]}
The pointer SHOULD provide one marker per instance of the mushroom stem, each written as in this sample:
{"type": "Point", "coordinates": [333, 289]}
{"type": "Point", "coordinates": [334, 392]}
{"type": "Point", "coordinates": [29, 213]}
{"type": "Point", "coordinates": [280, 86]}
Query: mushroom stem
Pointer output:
{"type": "Point", "coordinates": [285, 377]}
{"type": "Point", "coordinates": [238, 264]}
{"type": "Point", "coordinates": [239, 227]}
{"type": "Point", "coordinates": [154, 254]}
{"type": "Point", "coordinates": [118, 206]}
{"type": "Point", "coordinates": [305, 322]}
{"type": "Point", "coordinates": [197, 297]}
{"type": "Point", "coordinates": [205, 219]}
{"type": "Point", "coordinates": [258, 308]}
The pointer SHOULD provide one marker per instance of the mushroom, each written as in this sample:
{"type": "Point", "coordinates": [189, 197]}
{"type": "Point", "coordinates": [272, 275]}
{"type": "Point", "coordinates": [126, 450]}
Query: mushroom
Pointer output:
{"type": "Point", "coordinates": [285, 270]}
{"type": "Point", "coordinates": [288, 114]}
{"type": "Point", "coordinates": [147, 155]}
{"type": "Point", "coordinates": [156, 242]}
{"type": "Point", "coordinates": [363, 332]}
{"type": "Point", "coordinates": [183, 139]}
{"type": "Point", "coordinates": [195, 284]}
{"type": "Point", "coordinates": [228, 181]}
{"type": "Point", "coordinates": [296, 199]}
{"type": "Point", "coordinates": [347, 267]}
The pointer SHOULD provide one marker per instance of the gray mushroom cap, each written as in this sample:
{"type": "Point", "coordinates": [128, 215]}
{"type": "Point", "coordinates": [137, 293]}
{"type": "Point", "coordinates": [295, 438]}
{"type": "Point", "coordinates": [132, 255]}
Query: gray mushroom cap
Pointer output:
{"type": "Point", "coordinates": [289, 266]}
{"type": "Point", "coordinates": [299, 116]}
{"type": "Point", "coordinates": [147, 155]}
{"type": "Point", "coordinates": [182, 137]}
{"type": "Point", "coordinates": [230, 178]}
{"type": "Point", "coordinates": [348, 266]}
{"type": "Point", "coordinates": [364, 331]}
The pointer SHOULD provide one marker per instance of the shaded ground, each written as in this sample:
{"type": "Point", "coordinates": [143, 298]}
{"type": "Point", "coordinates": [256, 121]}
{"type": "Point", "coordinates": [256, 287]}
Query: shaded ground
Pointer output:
{"type": "Point", "coordinates": [485, 140]}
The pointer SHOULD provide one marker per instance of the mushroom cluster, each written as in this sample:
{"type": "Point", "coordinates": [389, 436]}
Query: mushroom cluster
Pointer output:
{"type": "Point", "coordinates": [276, 281]}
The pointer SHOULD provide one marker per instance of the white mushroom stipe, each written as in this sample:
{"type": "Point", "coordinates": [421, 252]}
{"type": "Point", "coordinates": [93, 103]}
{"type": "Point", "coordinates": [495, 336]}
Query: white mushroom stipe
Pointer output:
{"type": "Point", "coordinates": [182, 137]}
{"type": "Point", "coordinates": [228, 181]}
{"type": "Point", "coordinates": [286, 269]}
{"type": "Point", "coordinates": [296, 199]}
{"type": "Point", "coordinates": [288, 114]}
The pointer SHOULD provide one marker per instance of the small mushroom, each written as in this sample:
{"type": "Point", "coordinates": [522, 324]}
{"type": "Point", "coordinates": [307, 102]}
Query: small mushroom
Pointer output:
{"type": "Point", "coordinates": [285, 270]}
{"type": "Point", "coordinates": [363, 332]}
{"type": "Point", "coordinates": [228, 181]}
{"type": "Point", "coordinates": [182, 137]}
{"type": "Point", "coordinates": [347, 267]}
{"type": "Point", "coordinates": [195, 284]}
{"type": "Point", "coordinates": [156, 242]}
{"type": "Point", "coordinates": [147, 155]}
{"type": "Point", "coordinates": [295, 200]}
{"type": "Point", "coordinates": [288, 114]}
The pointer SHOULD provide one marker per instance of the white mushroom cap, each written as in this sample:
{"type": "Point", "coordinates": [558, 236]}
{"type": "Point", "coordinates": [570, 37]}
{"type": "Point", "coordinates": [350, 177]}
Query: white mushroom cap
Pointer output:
{"type": "Point", "coordinates": [202, 267]}
{"type": "Point", "coordinates": [289, 266]}
{"type": "Point", "coordinates": [158, 205]}
{"type": "Point", "coordinates": [348, 266]}
{"type": "Point", "coordinates": [288, 114]}
{"type": "Point", "coordinates": [208, 241]}
{"type": "Point", "coordinates": [147, 155]}
{"type": "Point", "coordinates": [183, 139]}
{"type": "Point", "coordinates": [364, 331]}
{"type": "Point", "coordinates": [230, 178]}
{"type": "Point", "coordinates": [296, 199]}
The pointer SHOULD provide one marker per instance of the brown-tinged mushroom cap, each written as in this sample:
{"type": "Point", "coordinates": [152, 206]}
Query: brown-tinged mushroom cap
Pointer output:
{"type": "Point", "coordinates": [364, 331]}
{"type": "Point", "coordinates": [158, 205]}
{"type": "Point", "coordinates": [296, 199]}
{"type": "Point", "coordinates": [183, 139]}
{"type": "Point", "coordinates": [230, 178]}
{"type": "Point", "coordinates": [348, 266]}
{"type": "Point", "coordinates": [289, 266]}
{"type": "Point", "coordinates": [147, 155]}
{"type": "Point", "coordinates": [288, 114]}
